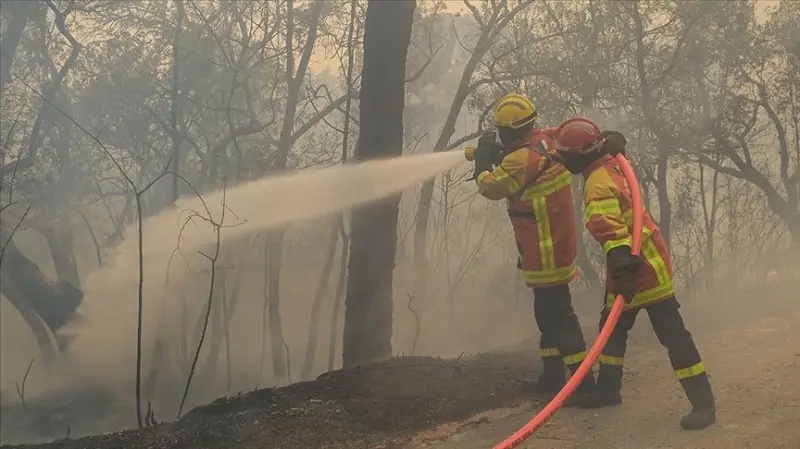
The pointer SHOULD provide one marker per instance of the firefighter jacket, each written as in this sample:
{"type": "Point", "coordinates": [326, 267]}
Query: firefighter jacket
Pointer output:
{"type": "Point", "coordinates": [609, 218]}
{"type": "Point", "coordinates": [540, 204]}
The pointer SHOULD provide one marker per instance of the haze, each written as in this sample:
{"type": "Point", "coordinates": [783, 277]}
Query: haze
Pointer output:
{"type": "Point", "coordinates": [102, 98]}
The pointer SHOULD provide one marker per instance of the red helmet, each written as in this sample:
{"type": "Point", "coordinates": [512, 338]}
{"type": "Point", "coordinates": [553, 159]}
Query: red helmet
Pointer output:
{"type": "Point", "coordinates": [578, 135]}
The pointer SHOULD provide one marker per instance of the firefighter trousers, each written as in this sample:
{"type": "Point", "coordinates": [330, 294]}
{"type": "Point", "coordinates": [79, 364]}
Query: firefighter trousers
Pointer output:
{"type": "Point", "coordinates": [672, 334]}
{"type": "Point", "coordinates": [561, 340]}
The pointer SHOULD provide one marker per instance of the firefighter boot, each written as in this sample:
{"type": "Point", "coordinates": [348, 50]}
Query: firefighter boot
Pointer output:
{"type": "Point", "coordinates": [607, 391]}
{"type": "Point", "coordinates": [584, 390]}
{"type": "Point", "coordinates": [550, 380]}
{"type": "Point", "coordinates": [704, 412]}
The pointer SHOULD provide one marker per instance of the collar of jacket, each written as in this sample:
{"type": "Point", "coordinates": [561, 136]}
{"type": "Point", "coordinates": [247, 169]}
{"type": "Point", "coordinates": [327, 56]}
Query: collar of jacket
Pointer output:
{"type": "Point", "coordinates": [597, 164]}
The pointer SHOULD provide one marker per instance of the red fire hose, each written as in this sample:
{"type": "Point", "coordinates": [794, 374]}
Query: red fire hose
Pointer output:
{"type": "Point", "coordinates": [586, 366]}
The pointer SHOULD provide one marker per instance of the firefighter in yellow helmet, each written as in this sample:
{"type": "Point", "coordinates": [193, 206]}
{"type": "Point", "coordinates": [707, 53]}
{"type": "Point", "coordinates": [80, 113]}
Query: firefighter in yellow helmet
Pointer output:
{"type": "Point", "coordinates": [644, 281]}
{"type": "Point", "coordinates": [538, 193]}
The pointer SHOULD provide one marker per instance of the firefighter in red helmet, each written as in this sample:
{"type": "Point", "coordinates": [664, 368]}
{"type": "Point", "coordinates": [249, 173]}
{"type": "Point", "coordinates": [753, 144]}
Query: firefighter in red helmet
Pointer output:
{"type": "Point", "coordinates": [644, 281]}
{"type": "Point", "coordinates": [538, 192]}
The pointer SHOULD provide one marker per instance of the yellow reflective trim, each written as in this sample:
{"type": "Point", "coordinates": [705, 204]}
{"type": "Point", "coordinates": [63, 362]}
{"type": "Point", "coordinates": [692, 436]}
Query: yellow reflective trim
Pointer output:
{"type": "Point", "coordinates": [536, 277]}
{"type": "Point", "coordinates": [549, 352]}
{"type": "Point", "coordinates": [537, 194]}
{"type": "Point", "coordinates": [645, 297]}
{"type": "Point", "coordinates": [546, 188]}
{"type": "Point", "coordinates": [546, 249]}
{"type": "Point", "coordinates": [611, 360]}
{"type": "Point", "coordinates": [503, 177]}
{"type": "Point", "coordinates": [694, 370]}
{"type": "Point", "coordinates": [651, 254]}
{"type": "Point", "coordinates": [482, 176]}
{"type": "Point", "coordinates": [574, 359]}
{"type": "Point", "coordinates": [611, 244]}
{"type": "Point", "coordinates": [628, 216]}
{"type": "Point", "coordinates": [665, 287]}
{"type": "Point", "coordinates": [608, 206]}
{"type": "Point", "coordinates": [655, 293]}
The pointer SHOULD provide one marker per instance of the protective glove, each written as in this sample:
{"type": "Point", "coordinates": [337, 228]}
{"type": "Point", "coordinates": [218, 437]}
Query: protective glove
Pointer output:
{"type": "Point", "coordinates": [623, 268]}
{"type": "Point", "coordinates": [486, 154]}
{"type": "Point", "coordinates": [614, 144]}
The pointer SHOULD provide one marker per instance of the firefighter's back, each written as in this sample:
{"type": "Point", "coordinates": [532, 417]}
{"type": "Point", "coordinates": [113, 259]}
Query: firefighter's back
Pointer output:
{"type": "Point", "coordinates": [543, 217]}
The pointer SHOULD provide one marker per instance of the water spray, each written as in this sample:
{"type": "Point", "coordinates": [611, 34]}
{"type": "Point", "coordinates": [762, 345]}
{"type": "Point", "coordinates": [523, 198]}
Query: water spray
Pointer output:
{"type": "Point", "coordinates": [586, 366]}
{"type": "Point", "coordinates": [298, 196]}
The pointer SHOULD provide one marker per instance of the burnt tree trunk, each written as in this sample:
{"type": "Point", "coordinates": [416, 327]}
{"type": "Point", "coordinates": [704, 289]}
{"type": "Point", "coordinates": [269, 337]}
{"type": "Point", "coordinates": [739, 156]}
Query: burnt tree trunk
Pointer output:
{"type": "Point", "coordinates": [34, 295]}
{"type": "Point", "coordinates": [59, 238]}
{"type": "Point", "coordinates": [368, 303]}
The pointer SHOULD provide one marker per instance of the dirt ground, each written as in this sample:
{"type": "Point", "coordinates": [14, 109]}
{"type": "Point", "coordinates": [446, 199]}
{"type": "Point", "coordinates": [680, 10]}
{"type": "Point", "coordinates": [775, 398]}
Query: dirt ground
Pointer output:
{"type": "Point", "coordinates": [752, 351]}
{"type": "Point", "coordinates": [755, 370]}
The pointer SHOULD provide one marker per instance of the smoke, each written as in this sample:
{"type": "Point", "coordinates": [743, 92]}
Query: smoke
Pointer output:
{"type": "Point", "coordinates": [104, 346]}
{"type": "Point", "coordinates": [616, 122]}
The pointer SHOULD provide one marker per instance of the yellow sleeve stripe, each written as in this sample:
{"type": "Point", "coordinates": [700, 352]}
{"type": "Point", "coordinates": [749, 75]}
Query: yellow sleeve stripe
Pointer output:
{"type": "Point", "coordinates": [502, 176]}
{"type": "Point", "coordinates": [611, 244]}
{"type": "Point", "coordinates": [482, 176]}
{"type": "Point", "coordinates": [608, 206]}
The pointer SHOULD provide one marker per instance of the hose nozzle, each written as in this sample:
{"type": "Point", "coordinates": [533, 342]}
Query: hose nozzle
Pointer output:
{"type": "Point", "coordinates": [469, 154]}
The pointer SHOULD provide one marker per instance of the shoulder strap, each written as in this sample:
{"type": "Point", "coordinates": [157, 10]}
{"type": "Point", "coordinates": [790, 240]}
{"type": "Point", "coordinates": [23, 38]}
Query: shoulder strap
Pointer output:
{"type": "Point", "coordinates": [541, 149]}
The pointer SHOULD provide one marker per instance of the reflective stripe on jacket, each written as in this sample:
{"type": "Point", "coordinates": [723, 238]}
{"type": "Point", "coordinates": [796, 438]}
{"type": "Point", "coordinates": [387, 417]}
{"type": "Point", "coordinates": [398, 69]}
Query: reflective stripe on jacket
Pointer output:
{"type": "Point", "coordinates": [609, 218]}
{"type": "Point", "coordinates": [540, 206]}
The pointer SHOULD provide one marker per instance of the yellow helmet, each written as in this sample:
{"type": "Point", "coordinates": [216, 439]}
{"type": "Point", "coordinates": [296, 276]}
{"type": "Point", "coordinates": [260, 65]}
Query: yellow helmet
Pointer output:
{"type": "Point", "coordinates": [514, 111]}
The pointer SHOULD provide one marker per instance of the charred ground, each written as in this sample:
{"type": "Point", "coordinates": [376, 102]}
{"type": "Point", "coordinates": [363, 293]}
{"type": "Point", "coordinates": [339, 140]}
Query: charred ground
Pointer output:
{"type": "Point", "coordinates": [380, 405]}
